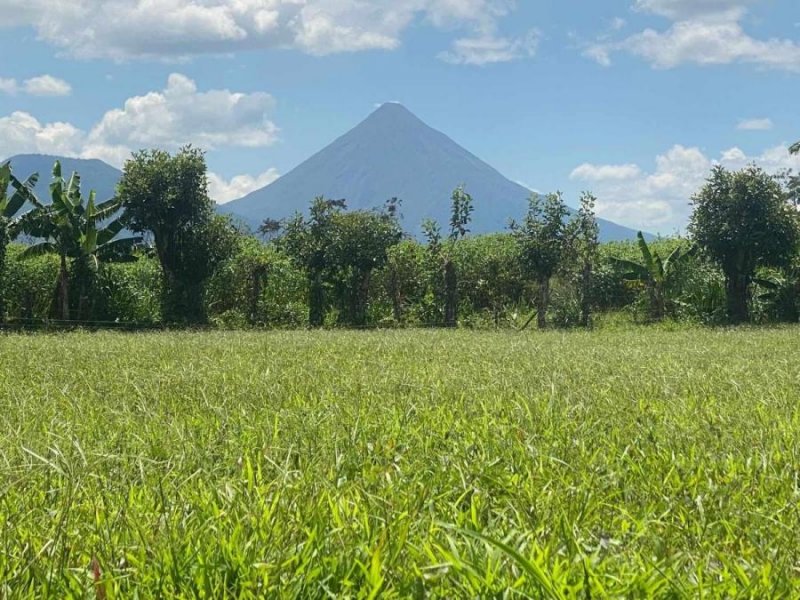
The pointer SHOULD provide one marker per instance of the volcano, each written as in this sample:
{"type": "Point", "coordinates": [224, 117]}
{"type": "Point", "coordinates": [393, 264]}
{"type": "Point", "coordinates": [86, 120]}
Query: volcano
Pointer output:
{"type": "Point", "coordinates": [394, 154]}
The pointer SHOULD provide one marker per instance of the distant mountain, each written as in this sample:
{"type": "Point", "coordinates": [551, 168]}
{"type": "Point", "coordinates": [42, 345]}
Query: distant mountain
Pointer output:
{"type": "Point", "coordinates": [95, 174]}
{"type": "Point", "coordinates": [393, 153]}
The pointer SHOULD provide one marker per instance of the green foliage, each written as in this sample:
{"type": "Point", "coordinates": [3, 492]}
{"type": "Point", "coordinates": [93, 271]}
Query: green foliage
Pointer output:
{"type": "Point", "coordinates": [257, 286]}
{"type": "Point", "coordinates": [646, 463]}
{"type": "Point", "coordinates": [28, 293]}
{"type": "Point", "coordinates": [402, 283]}
{"type": "Point", "coordinates": [443, 275]}
{"type": "Point", "coordinates": [339, 250]}
{"type": "Point", "coordinates": [460, 213]}
{"type": "Point", "coordinates": [123, 293]}
{"type": "Point", "coordinates": [80, 231]}
{"type": "Point", "coordinates": [657, 276]}
{"type": "Point", "coordinates": [584, 247]}
{"type": "Point", "coordinates": [742, 220]}
{"type": "Point", "coordinates": [129, 293]}
{"type": "Point", "coordinates": [777, 295]}
{"type": "Point", "coordinates": [9, 208]}
{"type": "Point", "coordinates": [167, 197]}
{"type": "Point", "coordinates": [543, 240]}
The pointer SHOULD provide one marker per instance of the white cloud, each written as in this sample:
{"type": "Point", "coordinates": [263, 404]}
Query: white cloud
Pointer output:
{"type": "Point", "coordinates": [175, 116]}
{"type": "Point", "coordinates": [488, 49]}
{"type": "Point", "coordinates": [43, 85]}
{"type": "Point", "coordinates": [180, 114]}
{"type": "Point", "coordinates": [687, 9]}
{"type": "Point", "coordinates": [703, 32]}
{"type": "Point", "coordinates": [658, 201]}
{"type": "Point", "coordinates": [590, 172]}
{"type": "Point", "coordinates": [124, 29]}
{"type": "Point", "coordinates": [22, 133]}
{"type": "Point", "coordinates": [47, 85]}
{"type": "Point", "coordinates": [755, 125]}
{"type": "Point", "coordinates": [223, 191]}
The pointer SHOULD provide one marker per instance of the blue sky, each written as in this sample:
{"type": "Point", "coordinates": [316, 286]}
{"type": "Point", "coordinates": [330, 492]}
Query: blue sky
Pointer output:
{"type": "Point", "coordinates": [633, 99]}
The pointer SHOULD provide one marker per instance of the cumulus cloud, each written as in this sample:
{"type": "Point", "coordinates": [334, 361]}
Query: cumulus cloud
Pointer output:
{"type": "Point", "coordinates": [22, 133]}
{"type": "Point", "coordinates": [175, 116]}
{"type": "Point", "coordinates": [180, 114]}
{"type": "Point", "coordinates": [755, 125]}
{"type": "Point", "coordinates": [43, 85]}
{"type": "Point", "coordinates": [124, 29]}
{"type": "Point", "coordinates": [222, 190]}
{"type": "Point", "coordinates": [659, 200]}
{"type": "Point", "coordinates": [489, 48]}
{"type": "Point", "coordinates": [703, 32]}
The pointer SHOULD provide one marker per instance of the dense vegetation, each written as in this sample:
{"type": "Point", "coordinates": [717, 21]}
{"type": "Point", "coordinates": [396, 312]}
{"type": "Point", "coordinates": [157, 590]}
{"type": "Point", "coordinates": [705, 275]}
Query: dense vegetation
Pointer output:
{"type": "Point", "coordinates": [656, 462]}
{"type": "Point", "coordinates": [335, 266]}
{"type": "Point", "coordinates": [618, 463]}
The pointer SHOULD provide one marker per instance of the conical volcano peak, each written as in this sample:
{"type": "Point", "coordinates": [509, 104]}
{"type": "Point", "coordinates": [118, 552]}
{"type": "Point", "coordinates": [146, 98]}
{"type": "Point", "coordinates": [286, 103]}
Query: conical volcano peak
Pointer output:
{"type": "Point", "coordinates": [392, 107]}
{"type": "Point", "coordinates": [392, 114]}
{"type": "Point", "coordinates": [394, 154]}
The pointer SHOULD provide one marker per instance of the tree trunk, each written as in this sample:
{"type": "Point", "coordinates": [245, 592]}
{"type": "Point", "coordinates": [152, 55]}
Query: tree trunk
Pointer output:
{"type": "Point", "coordinates": [63, 290]}
{"type": "Point", "coordinates": [397, 297]}
{"type": "Point", "coordinates": [736, 289]}
{"type": "Point", "coordinates": [183, 301]}
{"type": "Point", "coordinates": [316, 300]}
{"type": "Point", "coordinates": [360, 302]}
{"type": "Point", "coordinates": [586, 295]}
{"type": "Point", "coordinates": [656, 308]}
{"type": "Point", "coordinates": [450, 294]}
{"type": "Point", "coordinates": [542, 303]}
{"type": "Point", "coordinates": [257, 278]}
{"type": "Point", "coordinates": [2, 279]}
{"type": "Point", "coordinates": [82, 276]}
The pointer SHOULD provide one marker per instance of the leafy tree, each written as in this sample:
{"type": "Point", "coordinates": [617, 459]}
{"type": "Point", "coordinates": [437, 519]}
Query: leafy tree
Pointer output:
{"type": "Point", "coordinates": [404, 277]}
{"type": "Point", "coordinates": [73, 228]}
{"type": "Point", "coordinates": [270, 228]}
{"type": "Point", "coordinates": [743, 220]}
{"type": "Point", "coordinates": [167, 197]}
{"type": "Point", "coordinates": [543, 244]}
{"type": "Point", "coordinates": [585, 243]}
{"type": "Point", "coordinates": [654, 273]}
{"type": "Point", "coordinates": [340, 250]}
{"type": "Point", "coordinates": [360, 245]}
{"type": "Point", "coordinates": [795, 148]}
{"type": "Point", "coordinates": [308, 241]}
{"type": "Point", "coordinates": [10, 205]}
{"type": "Point", "coordinates": [460, 217]}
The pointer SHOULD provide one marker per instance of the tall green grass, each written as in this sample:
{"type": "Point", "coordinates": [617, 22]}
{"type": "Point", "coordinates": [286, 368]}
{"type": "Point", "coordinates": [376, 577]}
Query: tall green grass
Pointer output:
{"type": "Point", "coordinates": [643, 463]}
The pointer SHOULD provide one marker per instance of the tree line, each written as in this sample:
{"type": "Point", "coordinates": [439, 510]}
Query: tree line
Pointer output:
{"type": "Point", "coordinates": [158, 253]}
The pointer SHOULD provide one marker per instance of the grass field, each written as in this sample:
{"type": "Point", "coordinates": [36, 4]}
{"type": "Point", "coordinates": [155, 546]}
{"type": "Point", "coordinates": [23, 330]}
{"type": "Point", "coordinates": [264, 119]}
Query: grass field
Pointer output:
{"type": "Point", "coordinates": [641, 463]}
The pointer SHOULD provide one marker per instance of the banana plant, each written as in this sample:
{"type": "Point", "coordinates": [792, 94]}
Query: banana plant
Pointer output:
{"type": "Point", "coordinates": [656, 274]}
{"type": "Point", "coordinates": [73, 228]}
{"type": "Point", "coordinates": [21, 191]}
{"type": "Point", "coordinates": [13, 196]}
{"type": "Point", "coordinates": [781, 291]}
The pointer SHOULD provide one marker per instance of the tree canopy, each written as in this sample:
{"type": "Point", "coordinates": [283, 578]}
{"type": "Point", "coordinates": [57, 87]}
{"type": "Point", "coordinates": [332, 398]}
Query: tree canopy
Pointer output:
{"type": "Point", "coordinates": [743, 220]}
{"type": "Point", "coordinates": [166, 197]}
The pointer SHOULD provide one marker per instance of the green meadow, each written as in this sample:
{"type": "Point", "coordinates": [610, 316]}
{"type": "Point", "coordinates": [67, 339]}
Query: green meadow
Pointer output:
{"type": "Point", "coordinates": [639, 463]}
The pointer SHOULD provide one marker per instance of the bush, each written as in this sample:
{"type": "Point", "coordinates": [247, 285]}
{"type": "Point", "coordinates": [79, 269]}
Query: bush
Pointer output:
{"type": "Point", "coordinates": [261, 284]}
{"type": "Point", "coordinates": [129, 292]}
{"type": "Point", "coordinates": [29, 285]}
